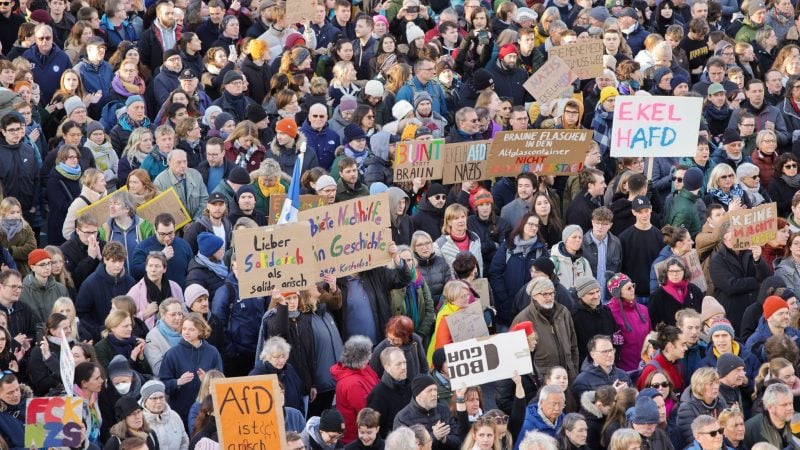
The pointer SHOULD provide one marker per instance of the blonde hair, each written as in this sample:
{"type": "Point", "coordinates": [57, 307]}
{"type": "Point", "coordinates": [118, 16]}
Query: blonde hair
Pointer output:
{"type": "Point", "coordinates": [469, 439]}
{"type": "Point", "coordinates": [624, 438]}
{"type": "Point", "coordinates": [205, 386]}
{"type": "Point", "coordinates": [90, 176]}
{"type": "Point", "coordinates": [115, 319]}
{"type": "Point", "coordinates": [701, 378]}
{"type": "Point", "coordinates": [64, 277]}
{"type": "Point", "coordinates": [7, 204]}
{"type": "Point", "coordinates": [452, 212]}
{"type": "Point", "coordinates": [717, 172]}
{"type": "Point", "coordinates": [200, 323]}
{"type": "Point", "coordinates": [452, 289]}
{"type": "Point", "coordinates": [66, 303]}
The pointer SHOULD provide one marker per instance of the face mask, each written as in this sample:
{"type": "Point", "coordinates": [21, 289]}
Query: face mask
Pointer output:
{"type": "Point", "coordinates": [223, 134]}
{"type": "Point", "coordinates": [123, 388]}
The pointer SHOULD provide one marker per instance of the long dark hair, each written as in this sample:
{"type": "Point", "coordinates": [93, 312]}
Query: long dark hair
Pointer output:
{"type": "Point", "coordinates": [520, 227]}
{"type": "Point", "coordinates": [205, 416]}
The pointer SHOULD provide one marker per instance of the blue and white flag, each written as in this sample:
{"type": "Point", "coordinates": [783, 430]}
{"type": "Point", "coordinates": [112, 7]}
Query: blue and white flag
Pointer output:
{"type": "Point", "coordinates": [291, 205]}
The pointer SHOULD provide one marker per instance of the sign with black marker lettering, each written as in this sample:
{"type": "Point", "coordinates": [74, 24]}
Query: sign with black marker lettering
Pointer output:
{"type": "Point", "coordinates": [249, 414]}
{"type": "Point", "coordinates": [477, 361]}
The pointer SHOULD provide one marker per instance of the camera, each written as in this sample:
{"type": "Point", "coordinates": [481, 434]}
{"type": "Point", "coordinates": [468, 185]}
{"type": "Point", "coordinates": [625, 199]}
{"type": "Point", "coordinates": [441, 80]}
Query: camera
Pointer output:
{"type": "Point", "coordinates": [413, 9]}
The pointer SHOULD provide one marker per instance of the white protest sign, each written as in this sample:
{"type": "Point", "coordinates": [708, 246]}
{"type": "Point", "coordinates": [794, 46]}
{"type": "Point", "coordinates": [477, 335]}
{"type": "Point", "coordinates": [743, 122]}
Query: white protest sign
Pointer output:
{"type": "Point", "coordinates": [477, 361]}
{"type": "Point", "coordinates": [648, 126]}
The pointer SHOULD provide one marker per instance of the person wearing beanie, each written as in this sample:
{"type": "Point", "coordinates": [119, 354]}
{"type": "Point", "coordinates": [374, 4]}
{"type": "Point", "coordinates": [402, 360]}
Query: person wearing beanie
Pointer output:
{"type": "Point", "coordinates": [722, 343]}
{"type": "Point", "coordinates": [40, 290]}
{"type": "Point", "coordinates": [166, 423]}
{"type": "Point", "coordinates": [645, 421]}
{"type": "Point", "coordinates": [755, 312]}
{"type": "Point", "coordinates": [429, 216]}
{"type": "Point", "coordinates": [324, 432]}
{"type": "Point", "coordinates": [507, 77]}
{"type": "Point", "coordinates": [683, 212]}
{"type": "Point", "coordinates": [244, 205]}
{"type": "Point", "coordinates": [662, 79]}
{"type": "Point", "coordinates": [569, 262]}
{"type": "Point", "coordinates": [254, 69]}
{"type": "Point", "coordinates": [153, 289]}
{"type": "Point", "coordinates": [431, 120]}
{"type": "Point", "coordinates": [776, 322]}
{"type": "Point", "coordinates": [469, 90]}
{"type": "Point", "coordinates": [233, 100]}
{"type": "Point", "coordinates": [631, 317]}
{"type": "Point", "coordinates": [326, 188]}
{"type": "Point", "coordinates": [424, 80]}
{"type": "Point", "coordinates": [730, 152]}
{"type": "Point", "coordinates": [424, 407]}
{"type": "Point", "coordinates": [590, 316]}
{"type": "Point", "coordinates": [286, 147]}
{"type": "Point", "coordinates": [598, 368]}
{"type": "Point", "coordinates": [167, 79]}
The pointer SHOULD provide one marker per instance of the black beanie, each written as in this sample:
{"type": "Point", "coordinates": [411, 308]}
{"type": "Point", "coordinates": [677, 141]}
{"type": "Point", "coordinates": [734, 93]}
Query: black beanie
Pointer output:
{"type": "Point", "coordinates": [421, 383]}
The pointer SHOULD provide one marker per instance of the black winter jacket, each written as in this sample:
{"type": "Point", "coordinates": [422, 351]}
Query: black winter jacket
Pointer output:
{"type": "Point", "coordinates": [428, 219]}
{"type": "Point", "coordinates": [663, 306]}
{"type": "Point", "coordinates": [736, 278]}
{"type": "Point", "coordinates": [19, 173]}
{"type": "Point", "coordinates": [388, 397]}
{"type": "Point", "coordinates": [436, 273]}
{"type": "Point", "coordinates": [591, 322]}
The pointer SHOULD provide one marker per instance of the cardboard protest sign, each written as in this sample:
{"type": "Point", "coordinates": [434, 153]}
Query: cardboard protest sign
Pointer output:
{"type": "Point", "coordinates": [99, 209]}
{"type": "Point", "coordinates": [307, 201]}
{"type": "Point", "coordinates": [754, 226]}
{"type": "Point", "coordinates": [646, 126]}
{"type": "Point", "coordinates": [584, 58]}
{"type": "Point", "coordinates": [350, 236]}
{"type": "Point", "coordinates": [467, 323]}
{"type": "Point", "coordinates": [481, 286]}
{"type": "Point", "coordinates": [418, 159]}
{"type": "Point", "coordinates": [465, 161]}
{"type": "Point", "coordinates": [552, 152]}
{"type": "Point", "coordinates": [692, 261]}
{"type": "Point", "coordinates": [297, 10]}
{"type": "Point", "coordinates": [552, 80]}
{"type": "Point", "coordinates": [165, 202]}
{"type": "Point", "coordinates": [277, 257]}
{"type": "Point", "coordinates": [248, 412]}
{"type": "Point", "coordinates": [477, 361]}
{"type": "Point", "coordinates": [53, 422]}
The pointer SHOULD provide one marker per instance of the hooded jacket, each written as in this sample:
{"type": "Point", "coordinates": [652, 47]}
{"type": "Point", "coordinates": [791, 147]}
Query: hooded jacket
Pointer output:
{"type": "Point", "coordinates": [436, 273]}
{"type": "Point", "coordinates": [139, 230]}
{"type": "Point", "coordinates": [323, 142]}
{"type": "Point", "coordinates": [239, 318]}
{"type": "Point", "coordinates": [569, 268]}
{"type": "Point", "coordinates": [508, 82]}
{"type": "Point", "coordinates": [313, 439]}
{"type": "Point", "coordinates": [401, 223]}
{"type": "Point", "coordinates": [286, 157]}
{"type": "Point", "coordinates": [683, 212]}
{"type": "Point", "coordinates": [41, 297]}
{"type": "Point", "coordinates": [557, 345]}
{"type": "Point", "coordinates": [352, 388]}
{"type": "Point", "coordinates": [429, 219]}
{"type": "Point", "coordinates": [169, 429]}
{"type": "Point", "coordinates": [691, 407]}
{"type": "Point", "coordinates": [186, 358]}
{"type": "Point", "coordinates": [19, 175]}
{"type": "Point", "coordinates": [634, 324]}
{"type": "Point", "coordinates": [93, 302]}
{"type": "Point", "coordinates": [594, 419]}
{"type": "Point", "coordinates": [755, 343]}
{"type": "Point", "coordinates": [293, 387]}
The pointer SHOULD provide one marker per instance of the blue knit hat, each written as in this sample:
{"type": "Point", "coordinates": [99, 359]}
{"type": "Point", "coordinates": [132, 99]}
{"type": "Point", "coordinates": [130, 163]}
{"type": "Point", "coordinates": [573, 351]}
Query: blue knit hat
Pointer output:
{"type": "Point", "coordinates": [645, 412]}
{"type": "Point", "coordinates": [208, 243]}
{"type": "Point", "coordinates": [133, 99]}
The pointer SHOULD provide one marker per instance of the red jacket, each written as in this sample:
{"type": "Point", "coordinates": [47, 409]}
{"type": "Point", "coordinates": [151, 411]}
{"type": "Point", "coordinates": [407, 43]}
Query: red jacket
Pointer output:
{"type": "Point", "coordinates": [253, 163]}
{"type": "Point", "coordinates": [352, 388]}
{"type": "Point", "coordinates": [673, 371]}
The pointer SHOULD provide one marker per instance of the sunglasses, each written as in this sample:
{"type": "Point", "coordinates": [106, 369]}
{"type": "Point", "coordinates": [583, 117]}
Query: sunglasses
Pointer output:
{"type": "Point", "coordinates": [730, 175]}
{"type": "Point", "coordinates": [678, 179]}
{"type": "Point", "coordinates": [790, 166]}
{"type": "Point", "coordinates": [714, 433]}
{"type": "Point", "coordinates": [439, 197]}
{"type": "Point", "coordinates": [663, 385]}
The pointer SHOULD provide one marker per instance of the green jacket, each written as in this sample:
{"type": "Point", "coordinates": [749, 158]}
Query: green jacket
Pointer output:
{"type": "Point", "coordinates": [40, 298]}
{"type": "Point", "coordinates": [424, 305]}
{"type": "Point", "coordinates": [684, 213]}
{"type": "Point", "coordinates": [747, 33]}
{"type": "Point", "coordinates": [689, 162]}
{"type": "Point", "coordinates": [344, 192]}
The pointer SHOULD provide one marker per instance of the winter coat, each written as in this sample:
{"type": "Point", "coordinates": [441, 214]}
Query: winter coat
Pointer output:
{"type": "Point", "coordinates": [513, 212]}
{"type": "Point", "coordinates": [96, 79]}
{"type": "Point", "coordinates": [176, 266]}
{"type": "Point", "coordinates": [492, 233]}
{"type": "Point", "coordinates": [663, 306]}
{"type": "Point", "coordinates": [169, 429]}
{"type": "Point", "coordinates": [755, 343]}
{"type": "Point", "coordinates": [47, 69]}
{"type": "Point", "coordinates": [345, 193]}
{"type": "Point", "coordinates": [429, 219]}
{"type": "Point", "coordinates": [589, 322]}
{"type": "Point", "coordinates": [580, 210]}
{"type": "Point", "coordinates": [106, 353]}
{"type": "Point", "coordinates": [594, 419]}
{"type": "Point", "coordinates": [736, 278]}
{"type": "Point", "coordinates": [20, 246]}
{"type": "Point", "coordinates": [634, 327]}
{"type": "Point", "coordinates": [157, 346]}
{"type": "Point", "coordinates": [788, 271]}
{"type": "Point", "coordinates": [690, 408]}
{"type": "Point", "coordinates": [197, 273]}
{"type": "Point", "coordinates": [436, 273]}
{"type": "Point", "coordinates": [766, 113]}
{"type": "Point", "coordinates": [92, 304]}
{"type": "Point", "coordinates": [510, 271]}
{"type": "Point", "coordinates": [139, 294]}
{"type": "Point", "coordinates": [751, 363]}
{"type": "Point", "coordinates": [352, 388]}
{"type": "Point", "coordinates": [257, 78]}
{"type": "Point", "coordinates": [433, 88]}
{"type": "Point", "coordinates": [759, 428]}
{"type": "Point", "coordinates": [328, 347]}
{"type": "Point", "coordinates": [535, 422]}
{"type": "Point", "coordinates": [557, 345]}
{"type": "Point", "coordinates": [413, 414]}
{"type": "Point", "coordinates": [19, 174]}
{"type": "Point", "coordinates": [508, 83]}
{"type": "Point", "coordinates": [192, 193]}
{"type": "Point", "coordinates": [781, 193]}
{"type": "Point", "coordinates": [240, 318]}
{"type": "Point", "coordinates": [446, 247]}
{"type": "Point", "coordinates": [568, 268]}
{"type": "Point", "coordinates": [593, 376]}
{"type": "Point", "coordinates": [77, 261]}
{"type": "Point", "coordinates": [276, 322]}
{"type": "Point", "coordinates": [41, 297]}
{"type": "Point", "coordinates": [323, 142]}
{"type": "Point", "coordinates": [139, 230]}
{"type": "Point", "coordinates": [293, 387]}
{"type": "Point", "coordinates": [313, 439]}
{"type": "Point", "coordinates": [425, 307]}
{"type": "Point", "coordinates": [61, 191]}
{"type": "Point", "coordinates": [684, 213]}
{"type": "Point", "coordinates": [45, 374]}
{"type": "Point", "coordinates": [182, 358]}
{"type": "Point", "coordinates": [12, 420]}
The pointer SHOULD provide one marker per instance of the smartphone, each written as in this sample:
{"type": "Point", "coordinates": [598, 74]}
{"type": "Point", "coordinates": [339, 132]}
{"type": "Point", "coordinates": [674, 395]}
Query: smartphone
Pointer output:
{"type": "Point", "coordinates": [413, 9]}
{"type": "Point", "coordinates": [483, 37]}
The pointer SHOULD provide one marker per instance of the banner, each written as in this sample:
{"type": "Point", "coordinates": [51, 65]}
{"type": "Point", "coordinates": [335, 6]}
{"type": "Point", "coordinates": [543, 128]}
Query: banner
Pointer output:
{"type": "Point", "coordinates": [99, 209]}
{"type": "Point", "coordinates": [551, 81]}
{"type": "Point", "coordinates": [584, 58]}
{"type": "Point", "coordinates": [467, 323]}
{"type": "Point", "coordinates": [350, 236]}
{"type": "Point", "coordinates": [307, 201]}
{"type": "Point", "coordinates": [552, 152]}
{"type": "Point", "coordinates": [418, 159]}
{"type": "Point", "coordinates": [53, 422]}
{"type": "Point", "coordinates": [248, 412]}
{"type": "Point", "coordinates": [278, 257]}
{"type": "Point", "coordinates": [754, 226]}
{"type": "Point", "coordinates": [465, 161]}
{"type": "Point", "coordinates": [648, 126]}
{"type": "Point", "coordinates": [692, 261]}
{"type": "Point", "coordinates": [478, 361]}
{"type": "Point", "coordinates": [165, 202]}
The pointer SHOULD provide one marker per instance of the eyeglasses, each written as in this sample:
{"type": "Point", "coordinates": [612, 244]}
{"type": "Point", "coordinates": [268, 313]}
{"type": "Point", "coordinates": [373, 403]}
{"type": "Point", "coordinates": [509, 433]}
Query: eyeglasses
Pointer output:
{"type": "Point", "coordinates": [13, 287]}
{"type": "Point", "coordinates": [547, 294]}
{"type": "Point", "coordinates": [663, 385]}
{"type": "Point", "coordinates": [714, 433]}
{"type": "Point", "coordinates": [423, 244]}
{"type": "Point", "coordinates": [675, 271]}
{"type": "Point", "coordinates": [678, 179]}
{"type": "Point", "coordinates": [606, 352]}
{"type": "Point", "coordinates": [167, 234]}
{"type": "Point", "coordinates": [755, 177]}
{"type": "Point", "coordinates": [13, 130]}
{"type": "Point", "coordinates": [39, 38]}
{"type": "Point", "coordinates": [5, 3]}
{"type": "Point", "coordinates": [730, 175]}
{"type": "Point", "coordinates": [499, 420]}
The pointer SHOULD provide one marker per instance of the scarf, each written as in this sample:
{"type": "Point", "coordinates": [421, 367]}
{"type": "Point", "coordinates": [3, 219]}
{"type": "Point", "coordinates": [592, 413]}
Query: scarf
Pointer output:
{"type": "Point", "coordinates": [754, 194]}
{"type": "Point", "coordinates": [91, 415]}
{"type": "Point", "coordinates": [10, 227]}
{"type": "Point", "coordinates": [243, 155]}
{"type": "Point", "coordinates": [523, 246]}
{"type": "Point", "coordinates": [127, 89]}
{"type": "Point", "coordinates": [795, 107]}
{"type": "Point", "coordinates": [122, 347]}
{"type": "Point", "coordinates": [360, 157]}
{"type": "Point", "coordinates": [266, 191]}
{"type": "Point", "coordinates": [622, 304]}
{"type": "Point", "coordinates": [677, 290]}
{"type": "Point", "coordinates": [793, 182]}
{"type": "Point", "coordinates": [412, 307]}
{"type": "Point", "coordinates": [446, 309]}
{"type": "Point", "coordinates": [136, 156]}
{"type": "Point", "coordinates": [601, 124]}
{"type": "Point", "coordinates": [461, 242]}
{"type": "Point", "coordinates": [721, 114]}
{"type": "Point", "coordinates": [726, 198]}
{"type": "Point", "coordinates": [101, 153]}
{"type": "Point", "coordinates": [70, 173]}
{"type": "Point", "coordinates": [172, 336]}
{"type": "Point", "coordinates": [218, 268]}
{"type": "Point", "coordinates": [129, 124]}
{"type": "Point", "coordinates": [157, 293]}
{"type": "Point", "coordinates": [237, 101]}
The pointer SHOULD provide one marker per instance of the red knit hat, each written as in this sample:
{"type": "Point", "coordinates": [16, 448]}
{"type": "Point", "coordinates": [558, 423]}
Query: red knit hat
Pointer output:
{"type": "Point", "coordinates": [480, 197]}
{"type": "Point", "coordinates": [507, 50]}
{"type": "Point", "coordinates": [772, 304]}
{"type": "Point", "coordinates": [37, 256]}
{"type": "Point", "coordinates": [287, 126]}
{"type": "Point", "coordinates": [527, 326]}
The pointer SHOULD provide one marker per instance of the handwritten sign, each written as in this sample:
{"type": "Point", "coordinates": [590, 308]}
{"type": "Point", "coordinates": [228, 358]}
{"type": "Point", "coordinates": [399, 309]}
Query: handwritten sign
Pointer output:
{"type": "Point", "coordinates": [67, 365]}
{"type": "Point", "coordinates": [277, 257]}
{"type": "Point", "coordinates": [692, 261]}
{"type": "Point", "coordinates": [551, 81]}
{"type": "Point", "coordinates": [249, 414]}
{"type": "Point", "coordinates": [467, 323]}
{"type": "Point", "coordinates": [99, 209]}
{"type": "Point", "coordinates": [53, 422]}
{"type": "Point", "coordinates": [465, 161]}
{"type": "Point", "coordinates": [478, 361]}
{"type": "Point", "coordinates": [655, 126]}
{"type": "Point", "coordinates": [584, 58]}
{"type": "Point", "coordinates": [755, 226]}
{"type": "Point", "coordinates": [418, 159]}
{"type": "Point", "coordinates": [307, 201]}
{"type": "Point", "coordinates": [481, 286]}
{"type": "Point", "coordinates": [298, 10]}
{"type": "Point", "coordinates": [165, 202]}
{"type": "Point", "coordinates": [350, 236]}
{"type": "Point", "coordinates": [553, 152]}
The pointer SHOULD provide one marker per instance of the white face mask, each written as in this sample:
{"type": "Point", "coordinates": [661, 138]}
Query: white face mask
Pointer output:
{"type": "Point", "coordinates": [123, 388]}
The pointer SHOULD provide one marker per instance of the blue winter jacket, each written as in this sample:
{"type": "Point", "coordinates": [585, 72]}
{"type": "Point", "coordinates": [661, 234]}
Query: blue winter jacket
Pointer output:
{"type": "Point", "coordinates": [508, 272]}
{"type": "Point", "coordinates": [184, 358]}
{"type": "Point", "coordinates": [126, 32]}
{"type": "Point", "coordinates": [323, 142]}
{"type": "Point", "coordinates": [94, 298]}
{"type": "Point", "coordinates": [755, 343]}
{"type": "Point", "coordinates": [240, 319]}
{"type": "Point", "coordinates": [12, 428]}
{"type": "Point", "coordinates": [433, 88]}
{"type": "Point", "coordinates": [751, 364]}
{"type": "Point", "coordinates": [96, 79]}
{"type": "Point", "coordinates": [130, 238]}
{"type": "Point", "coordinates": [692, 358]}
{"type": "Point", "coordinates": [47, 69]}
{"type": "Point", "coordinates": [535, 422]}
{"type": "Point", "coordinates": [176, 266]}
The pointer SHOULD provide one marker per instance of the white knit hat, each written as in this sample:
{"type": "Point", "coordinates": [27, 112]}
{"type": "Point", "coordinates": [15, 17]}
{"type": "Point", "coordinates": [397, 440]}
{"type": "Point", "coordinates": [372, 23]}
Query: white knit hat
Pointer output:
{"type": "Point", "coordinates": [413, 32]}
{"type": "Point", "coordinates": [401, 109]}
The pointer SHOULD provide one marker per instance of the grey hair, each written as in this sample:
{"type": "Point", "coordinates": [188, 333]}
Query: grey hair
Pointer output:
{"type": "Point", "coordinates": [162, 308]}
{"type": "Point", "coordinates": [547, 391]}
{"type": "Point", "coordinates": [125, 197]}
{"type": "Point", "coordinates": [558, 24]}
{"type": "Point", "coordinates": [461, 114]}
{"type": "Point", "coordinates": [246, 222]}
{"type": "Point", "coordinates": [451, 11]}
{"type": "Point", "coordinates": [420, 432]}
{"type": "Point", "coordinates": [773, 392]}
{"type": "Point", "coordinates": [173, 153]}
{"type": "Point", "coordinates": [417, 235]}
{"type": "Point", "coordinates": [747, 169]}
{"type": "Point", "coordinates": [357, 351]}
{"type": "Point", "coordinates": [762, 134]}
{"type": "Point", "coordinates": [269, 168]}
{"type": "Point", "coordinates": [536, 440]}
{"type": "Point", "coordinates": [275, 344]}
{"type": "Point", "coordinates": [700, 422]}
{"type": "Point", "coordinates": [764, 446]}
{"type": "Point", "coordinates": [402, 438]}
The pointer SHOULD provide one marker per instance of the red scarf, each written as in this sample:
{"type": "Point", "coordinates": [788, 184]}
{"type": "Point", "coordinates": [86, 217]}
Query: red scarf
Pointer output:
{"type": "Point", "coordinates": [677, 290]}
{"type": "Point", "coordinates": [462, 243]}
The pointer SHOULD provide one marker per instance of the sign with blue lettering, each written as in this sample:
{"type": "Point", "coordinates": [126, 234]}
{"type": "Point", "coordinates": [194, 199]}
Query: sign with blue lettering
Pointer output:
{"type": "Point", "coordinates": [648, 126]}
{"type": "Point", "coordinates": [477, 361]}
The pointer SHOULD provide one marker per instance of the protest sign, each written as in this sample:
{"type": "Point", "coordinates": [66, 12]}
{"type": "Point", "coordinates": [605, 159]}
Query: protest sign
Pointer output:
{"type": "Point", "coordinates": [477, 361]}
{"type": "Point", "coordinates": [481, 286]}
{"type": "Point", "coordinates": [754, 226]}
{"type": "Point", "coordinates": [248, 412]}
{"type": "Point", "coordinates": [307, 201]}
{"type": "Point", "coordinates": [465, 161]}
{"type": "Point", "coordinates": [418, 159]}
{"type": "Point", "coordinates": [551, 81]}
{"type": "Point", "coordinates": [648, 126]}
{"type": "Point", "coordinates": [584, 58]}
{"type": "Point", "coordinates": [692, 261]}
{"type": "Point", "coordinates": [165, 202]}
{"type": "Point", "coordinates": [277, 257]}
{"type": "Point", "coordinates": [53, 422]}
{"type": "Point", "coordinates": [67, 365]}
{"type": "Point", "coordinates": [350, 236]}
{"type": "Point", "coordinates": [552, 152]}
{"type": "Point", "coordinates": [467, 323]}
{"type": "Point", "coordinates": [99, 209]}
{"type": "Point", "coordinates": [299, 10]}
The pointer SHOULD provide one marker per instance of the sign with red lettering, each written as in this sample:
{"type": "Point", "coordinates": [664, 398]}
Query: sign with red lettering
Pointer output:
{"type": "Point", "coordinates": [655, 126]}
{"type": "Point", "coordinates": [754, 226]}
{"type": "Point", "coordinates": [552, 152]}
